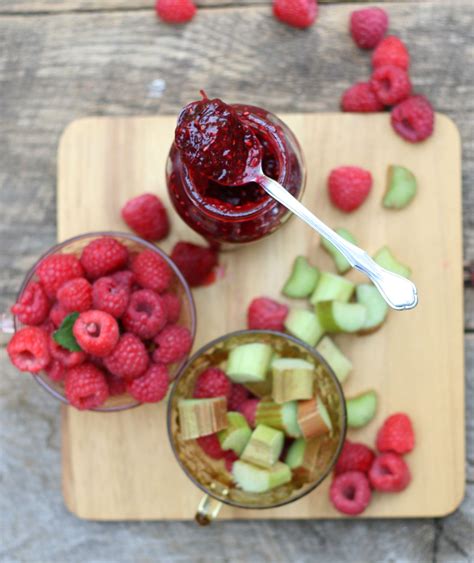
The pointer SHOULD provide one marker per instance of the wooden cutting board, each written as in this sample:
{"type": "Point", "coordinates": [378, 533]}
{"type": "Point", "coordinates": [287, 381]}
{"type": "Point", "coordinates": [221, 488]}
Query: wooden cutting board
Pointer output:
{"type": "Point", "coordinates": [120, 467]}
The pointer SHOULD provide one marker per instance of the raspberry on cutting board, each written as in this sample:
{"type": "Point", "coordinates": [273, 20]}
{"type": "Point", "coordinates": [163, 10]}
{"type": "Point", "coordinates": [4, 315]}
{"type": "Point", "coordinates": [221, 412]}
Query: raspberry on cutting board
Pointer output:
{"type": "Point", "coordinates": [147, 216]}
{"type": "Point", "coordinates": [349, 187]}
{"type": "Point", "coordinates": [413, 119]}
{"type": "Point", "coordinates": [350, 492]}
{"type": "Point", "coordinates": [195, 262]}
{"type": "Point", "coordinates": [354, 457]}
{"type": "Point", "coordinates": [389, 473]}
{"type": "Point", "coordinates": [265, 313]}
{"type": "Point", "coordinates": [396, 434]}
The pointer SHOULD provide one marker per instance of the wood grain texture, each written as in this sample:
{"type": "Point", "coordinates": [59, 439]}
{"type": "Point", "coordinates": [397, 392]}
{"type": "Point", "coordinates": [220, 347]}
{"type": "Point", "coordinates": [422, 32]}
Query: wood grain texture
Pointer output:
{"type": "Point", "coordinates": [115, 466]}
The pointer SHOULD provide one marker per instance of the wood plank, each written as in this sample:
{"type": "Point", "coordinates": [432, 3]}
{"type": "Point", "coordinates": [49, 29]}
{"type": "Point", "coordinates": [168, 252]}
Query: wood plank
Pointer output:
{"type": "Point", "coordinates": [415, 362]}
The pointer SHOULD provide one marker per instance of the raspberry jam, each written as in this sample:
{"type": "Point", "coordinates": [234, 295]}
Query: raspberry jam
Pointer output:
{"type": "Point", "coordinates": [211, 149]}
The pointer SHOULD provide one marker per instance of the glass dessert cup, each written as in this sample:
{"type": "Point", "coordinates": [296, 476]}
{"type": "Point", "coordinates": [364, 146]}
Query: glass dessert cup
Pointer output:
{"type": "Point", "coordinates": [228, 216]}
{"type": "Point", "coordinates": [209, 474]}
{"type": "Point", "coordinates": [134, 244]}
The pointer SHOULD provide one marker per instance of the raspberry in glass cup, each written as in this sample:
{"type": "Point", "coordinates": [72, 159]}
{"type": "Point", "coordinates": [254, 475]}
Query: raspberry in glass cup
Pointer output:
{"type": "Point", "coordinates": [198, 178]}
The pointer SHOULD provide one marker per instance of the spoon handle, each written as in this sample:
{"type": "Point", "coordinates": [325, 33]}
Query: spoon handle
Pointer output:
{"type": "Point", "coordinates": [399, 292]}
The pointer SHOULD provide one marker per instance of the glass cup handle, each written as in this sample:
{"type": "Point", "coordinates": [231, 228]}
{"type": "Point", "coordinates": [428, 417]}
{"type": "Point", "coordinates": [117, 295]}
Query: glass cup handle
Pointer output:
{"type": "Point", "coordinates": [6, 323]}
{"type": "Point", "coordinates": [208, 510]}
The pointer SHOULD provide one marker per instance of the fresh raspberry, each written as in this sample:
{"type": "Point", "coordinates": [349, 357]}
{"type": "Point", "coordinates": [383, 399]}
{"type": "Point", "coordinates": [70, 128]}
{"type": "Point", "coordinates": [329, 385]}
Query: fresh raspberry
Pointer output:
{"type": "Point", "coordinates": [172, 305]}
{"type": "Point", "coordinates": [32, 307]}
{"type": "Point", "coordinates": [86, 387]}
{"type": "Point", "coordinates": [117, 385]}
{"type": "Point", "coordinates": [125, 278]}
{"type": "Point", "coordinates": [238, 395]}
{"type": "Point", "coordinates": [75, 295]}
{"type": "Point", "coordinates": [152, 271]}
{"type": "Point", "coordinates": [96, 332]}
{"type": "Point", "coordinates": [368, 26]}
{"type": "Point", "coordinates": [348, 187]}
{"type": "Point", "coordinates": [173, 344]}
{"type": "Point", "coordinates": [147, 216]}
{"type": "Point", "coordinates": [389, 473]}
{"type": "Point", "coordinates": [396, 434]}
{"type": "Point", "coordinates": [297, 13]}
{"type": "Point", "coordinates": [265, 313]}
{"type": "Point", "coordinates": [391, 84]}
{"type": "Point", "coordinates": [249, 410]}
{"type": "Point", "coordinates": [212, 382]}
{"type": "Point", "coordinates": [57, 269]}
{"type": "Point", "coordinates": [102, 256]}
{"type": "Point", "coordinates": [57, 314]}
{"type": "Point", "coordinates": [360, 97]}
{"type": "Point", "coordinates": [229, 458]}
{"type": "Point", "coordinates": [175, 11]}
{"type": "Point", "coordinates": [145, 315]}
{"type": "Point", "coordinates": [110, 296]}
{"type": "Point", "coordinates": [129, 359]}
{"type": "Point", "coordinates": [48, 326]}
{"type": "Point", "coordinates": [152, 386]}
{"type": "Point", "coordinates": [211, 446]}
{"type": "Point", "coordinates": [56, 371]}
{"type": "Point", "coordinates": [195, 262]}
{"type": "Point", "coordinates": [67, 358]}
{"type": "Point", "coordinates": [28, 349]}
{"type": "Point", "coordinates": [354, 457]}
{"type": "Point", "coordinates": [391, 51]}
{"type": "Point", "coordinates": [413, 119]}
{"type": "Point", "coordinates": [350, 493]}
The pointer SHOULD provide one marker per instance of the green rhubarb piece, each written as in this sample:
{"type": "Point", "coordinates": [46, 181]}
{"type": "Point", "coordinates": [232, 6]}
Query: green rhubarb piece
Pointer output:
{"type": "Point", "coordinates": [201, 417]}
{"type": "Point", "coordinates": [302, 280]}
{"type": "Point", "coordinates": [264, 447]}
{"type": "Point", "coordinates": [253, 479]}
{"type": "Point", "coordinates": [336, 316]}
{"type": "Point", "coordinates": [401, 187]}
{"type": "Point", "coordinates": [304, 457]}
{"type": "Point", "coordinates": [377, 309]}
{"type": "Point", "coordinates": [281, 416]}
{"type": "Point", "coordinates": [260, 389]}
{"type": "Point", "coordinates": [339, 363]}
{"type": "Point", "coordinates": [295, 455]}
{"type": "Point", "coordinates": [293, 379]}
{"type": "Point", "coordinates": [385, 258]}
{"type": "Point", "coordinates": [332, 287]}
{"type": "Point", "coordinates": [249, 362]}
{"type": "Point", "coordinates": [361, 409]}
{"type": "Point", "coordinates": [304, 325]}
{"type": "Point", "coordinates": [313, 418]}
{"type": "Point", "coordinates": [342, 265]}
{"type": "Point", "coordinates": [237, 434]}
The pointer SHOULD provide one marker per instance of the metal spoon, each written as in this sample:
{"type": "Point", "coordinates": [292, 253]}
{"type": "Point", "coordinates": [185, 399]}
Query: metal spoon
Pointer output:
{"type": "Point", "coordinates": [399, 292]}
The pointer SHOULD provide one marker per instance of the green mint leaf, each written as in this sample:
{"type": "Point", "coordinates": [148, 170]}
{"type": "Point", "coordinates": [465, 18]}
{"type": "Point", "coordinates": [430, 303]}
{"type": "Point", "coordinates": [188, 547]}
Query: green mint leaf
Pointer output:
{"type": "Point", "coordinates": [64, 336]}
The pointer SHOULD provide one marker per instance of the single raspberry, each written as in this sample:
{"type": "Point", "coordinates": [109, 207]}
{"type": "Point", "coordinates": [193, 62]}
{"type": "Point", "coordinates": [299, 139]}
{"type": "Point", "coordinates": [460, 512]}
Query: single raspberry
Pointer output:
{"type": "Point", "coordinates": [117, 385]}
{"type": "Point", "coordinates": [145, 315]}
{"type": "Point", "coordinates": [75, 295]}
{"type": "Point", "coordinates": [175, 11]}
{"type": "Point", "coordinates": [152, 271]}
{"type": "Point", "coordinates": [265, 313]}
{"type": "Point", "coordinates": [129, 359]}
{"type": "Point", "coordinates": [354, 457]}
{"type": "Point", "coordinates": [32, 307]}
{"type": "Point", "coordinates": [57, 269]}
{"type": "Point", "coordinates": [125, 278]}
{"type": "Point", "coordinates": [28, 349]}
{"type": "Point", "coordinates": [389, 473]}
{"type": "Point", "coordinates": [57, 314]}
{"type": "Point", "coordinates": [147, 216]}
{"type": "Point", "coordinates": [350, 493]}
{"type": "Point", "coordinates": [96, 332]}
{"type": "Point", "coordinates": [396, 434]}
{"type": "Point", "coordinates": [212, 382]}
{"type": "Point", "coordinates": [238, 395]}
{"type": "Point", "coordinates": [195, 262]}
{"type": "Point", "coordinates": [55, 371]}
{"type": "Point", "coordinates": [368, 26]}
{"type": "Point", "coordinates": [48, 326]}
{"type": "Point", "coordinates": [86, 387]}
{"type": "Point", "coordinates": [391, 51]}
{"type": "Point", "coordinates": [348, 187]}
{"type": "Point", "coordinates": [211, 446]}
{"type": "Point", "coordinates": [249, 410]}
{"type": "Point", "coordinates": [67, 358]}
{"type": "Point", "coordinates": [229, 459]}
{"type": "Point", "coordinates": [102, 256]}
{"type": "Point", "coordinates": [110, 296]}
{"type": "Point", "coordinates": [360, 97]}
{"type": "Point", "coordinates": [413, 119]}
{"type": "Point", "coordinates": [152, 386]}
{"type": "Point", "coordinates": [173, 344]}
{"type": "Point", "coordinates": [173, 307]}
{"type": "Point", "coordinates": [297, 13]}
{"type": "Point", "coordinates": [391, 84]}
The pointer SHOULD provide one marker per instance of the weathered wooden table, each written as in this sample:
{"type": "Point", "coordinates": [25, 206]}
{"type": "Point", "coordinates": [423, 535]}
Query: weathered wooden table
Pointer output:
{"type": "Point", "coordinates": [62, 59]}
